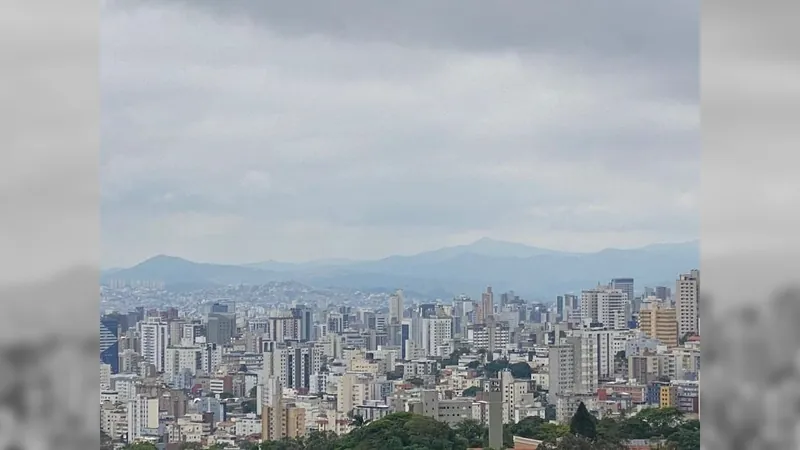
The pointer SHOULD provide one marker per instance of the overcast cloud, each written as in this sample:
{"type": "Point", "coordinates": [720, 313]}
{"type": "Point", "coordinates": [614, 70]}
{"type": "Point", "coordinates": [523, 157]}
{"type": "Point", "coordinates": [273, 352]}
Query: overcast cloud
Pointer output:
{"type": "Point", "coordinates": [293, 131]}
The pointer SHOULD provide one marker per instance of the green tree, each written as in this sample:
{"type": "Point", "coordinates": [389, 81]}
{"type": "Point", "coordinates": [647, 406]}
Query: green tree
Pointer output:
{"type": "Point", "coordinates": [583, 423]}
{"type": "Point", "coordinates": [402, 431]}
{"type": "Point", "coordinates": [283, 444]}
{"type": "Point", "coordinates": [537, 428]}
{"type": "Point", "coordinates": [568, 442]}
{"type": "Point", "coordinates": [578, 442]}
{"type": "Point", "coordinates": [141, 446]}
{"type": "Point", "coordinates": [521, 370]}
{"type": "Point", "coordinates": [492, 368]}
{"type": "Point", "coordinates": [473, 364]}
{"type": "Point", "coordinates": [661, 421]}
{"type": "Point", "coordinates": [636, 428]}
{"type": "Point", "coordinates": [416, 382]}
{"type": "Point", "coordinates": [249, 406]}
{"type": "Point", "coordinates": [452, 360]}
{"type": "Point", "coordinates": [551, 432]}
{"type": "Point", "coordinates": [471, 391]}
{"type": "Point", "coordinates": [394, 375]}
{"type": "Point", "coordinates": [106, 442]}
{"type": "Point", "coordinates": [475, 434]}
{"type": "Point", "coordinates": [685, 439]}
{"type": "Point", "coordinates": [321, 440]}
{"type": "Point", "coordinates": [356, 420]}
{"type": "Point", "coordinates": [191, 446]}
{"type": "Point", "coordinates": [253, 392]}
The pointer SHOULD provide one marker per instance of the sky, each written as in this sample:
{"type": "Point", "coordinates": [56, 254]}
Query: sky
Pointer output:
{"type": "Point", "coordinates": [248, 131]}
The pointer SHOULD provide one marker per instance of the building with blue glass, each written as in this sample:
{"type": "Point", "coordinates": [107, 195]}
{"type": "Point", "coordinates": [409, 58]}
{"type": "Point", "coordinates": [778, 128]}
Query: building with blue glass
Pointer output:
{"type": "Point", "coordinates": [109, 342]}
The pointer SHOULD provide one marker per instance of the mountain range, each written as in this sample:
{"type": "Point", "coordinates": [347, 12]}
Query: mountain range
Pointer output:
{"type": "Point", "coordinates": [532, 272]}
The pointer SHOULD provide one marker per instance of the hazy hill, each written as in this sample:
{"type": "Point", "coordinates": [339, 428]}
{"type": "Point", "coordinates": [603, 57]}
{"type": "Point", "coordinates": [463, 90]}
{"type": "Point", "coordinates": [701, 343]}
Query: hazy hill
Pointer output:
{"type": "Point", "coordinates": [532, 272]}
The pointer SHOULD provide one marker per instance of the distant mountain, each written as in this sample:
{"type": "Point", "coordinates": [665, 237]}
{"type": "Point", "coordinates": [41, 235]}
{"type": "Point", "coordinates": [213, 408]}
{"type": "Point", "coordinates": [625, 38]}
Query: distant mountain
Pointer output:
{"type": "Point", "coordinates": [532, 272]}
{"type": "Point", "coordinates": [174, 271]}
{"type": "Point", "coordinates": [278, 266]}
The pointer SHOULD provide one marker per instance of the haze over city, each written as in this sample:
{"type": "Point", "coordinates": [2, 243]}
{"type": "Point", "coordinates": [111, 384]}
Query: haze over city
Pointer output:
{"type": "Point", "coordinates": [401, 225]}
{"type": "Point", "coordinates": [292, 140]}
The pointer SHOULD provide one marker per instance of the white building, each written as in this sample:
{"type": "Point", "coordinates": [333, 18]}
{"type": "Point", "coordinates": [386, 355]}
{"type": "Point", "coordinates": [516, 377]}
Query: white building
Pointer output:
{"type": "Point", "coordinates": [180, 360]}
{"type": "Point", "coordinates": [247, 426]}
{"type": "Point", "coordinates": [105, 376]}
{"type": "Point", "coordinates": [154, 337]}
{"type": "Point", "coordinates": [573, 366]}
{"type": "Point", "coordinates": [142, 416]}
{"type": "Point", "coordinates": [607, 343]}
{"type": "Point", "coordinates": [293, 366]}
{"type": "Point", "coordinates": [435, 332]}
{"type": "Point", "coordinates": [125, 385]}
{"type": "Point", "coordinates": [611, 307]}
{"type": "Point", "coordinates": [687, 295]}
{"type": "Point", "coordinates": [396, 307]}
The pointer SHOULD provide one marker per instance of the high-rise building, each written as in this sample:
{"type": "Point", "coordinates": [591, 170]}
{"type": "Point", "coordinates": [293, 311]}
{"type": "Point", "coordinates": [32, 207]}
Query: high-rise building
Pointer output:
{"type": "Point", "coordinates": [220, 328]}
{"type": "Point", "coordinates": [304, 315]}
{"type": "Point", "coordinates": [606, 343]}
{"type": "Point", "coordinates": [607, 306]}
{"type": "Point", "coordinates": [658, 321]}
{"type": "Point", "coordinates": [573, 366]}
{"type": "Point", "coordinates": [109, 342]}
{"type": "Point", "coordinates": [282, 329]}
{"type": "Point", "coordinates": [280, 420]}
{"type": "Point", "coordinates": [687, 297]}
{"type": "Point", "coordinates": [396, 307]}
{"type": "Point", "coordinates": [154, 338]}
{"type": "Point", "coordinates": [181, 362]}
{"type": "Point", "coordinates": [189, 333]}
{"type": "Point", "coordinates": [435, 333]}
{"type": "Point", "coordinates": [426, 310]}
{"type": "Point", "coordinates": [625, 285]}
{"type": "Point", "coordinates": [567, 306]}
{"type": "Point", "coordinates": [662, 293]}
{"type": "Point", "coordinates": [561, 308]}
{"type": "Point", "coordinates": [405, 337]}
{"type": "Point", "coordinates": [142, 416]}
{"type": "Point", "coordinates": [486, 308]}
{"type": "Point", "coordinates": [219, 307]}
{"type": "Point", "coordinates": [293, 365]}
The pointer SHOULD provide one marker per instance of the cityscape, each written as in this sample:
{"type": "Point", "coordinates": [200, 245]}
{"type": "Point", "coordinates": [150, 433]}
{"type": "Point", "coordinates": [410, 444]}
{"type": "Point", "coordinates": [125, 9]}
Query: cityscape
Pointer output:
{"type": "Point", "coordinates": [280, 365]}
{"type": "Point", "coordinates": [441, 225]}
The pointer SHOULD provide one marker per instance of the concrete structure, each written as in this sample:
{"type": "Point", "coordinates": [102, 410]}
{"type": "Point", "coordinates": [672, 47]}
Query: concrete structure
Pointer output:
{"type": "Point", "coordinates": [449, 411]}
{"type": "Point", "coordinates": [293, 365]}
{"type": "Point", "coordinates": [687, 297]}
{"type": "Point", "coordinates": [573, 365]}
{"type": "Point", "coordinates": [396, 307]}
{"type": "Point", "coordinates": [610, 307]}
{"type": "Point", "coordinates": [659, 322]}
{"type": "Point", "coordinates": [154, 338]}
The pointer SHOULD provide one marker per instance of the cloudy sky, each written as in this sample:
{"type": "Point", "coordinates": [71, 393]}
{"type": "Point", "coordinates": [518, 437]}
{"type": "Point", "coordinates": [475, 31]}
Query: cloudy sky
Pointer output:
{"type": "Point", "coordinates": [298, 130]}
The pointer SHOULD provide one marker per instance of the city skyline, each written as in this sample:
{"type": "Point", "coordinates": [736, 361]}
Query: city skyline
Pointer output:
{"type": "Point", "coordinates": [291, 139]}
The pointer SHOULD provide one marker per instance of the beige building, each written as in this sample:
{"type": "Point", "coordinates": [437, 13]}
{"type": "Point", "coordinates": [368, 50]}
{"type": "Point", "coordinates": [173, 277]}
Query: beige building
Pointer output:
{"type": "Point", "coordinates": [351, 391]}
{"type": "Point", "coordinates": [657, 321]}
{"type": "Point", "coordinates": [284, 421]}
{"type": "Point", "coordinates": [687, 297]}
{"type": "Point", "coordinates": [644, 368]}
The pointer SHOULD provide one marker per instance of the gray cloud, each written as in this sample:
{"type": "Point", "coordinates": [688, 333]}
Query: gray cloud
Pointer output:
{"type": "Point", "coordinates": [362, 131]}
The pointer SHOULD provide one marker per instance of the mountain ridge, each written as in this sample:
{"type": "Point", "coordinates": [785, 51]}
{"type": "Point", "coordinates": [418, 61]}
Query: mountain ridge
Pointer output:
{"type": "Point", "coordinates": [469, 268]}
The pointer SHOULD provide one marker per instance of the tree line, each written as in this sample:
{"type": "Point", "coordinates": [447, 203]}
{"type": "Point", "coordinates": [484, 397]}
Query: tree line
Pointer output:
{"type": "Point", "coordinates": [666, 428]}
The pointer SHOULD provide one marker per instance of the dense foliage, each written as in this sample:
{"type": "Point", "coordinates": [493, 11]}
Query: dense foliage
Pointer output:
{"type": "Point", "coordinates": [404, 431]}
{"type": "Point", "coordinates": [400, 431]}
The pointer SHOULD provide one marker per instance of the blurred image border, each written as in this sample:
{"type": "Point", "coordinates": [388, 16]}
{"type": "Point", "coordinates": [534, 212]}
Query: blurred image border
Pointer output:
{"type": "Point", "coordinates": [49, 205]}
{"type": "Point", "coordinates": [749, 247]}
